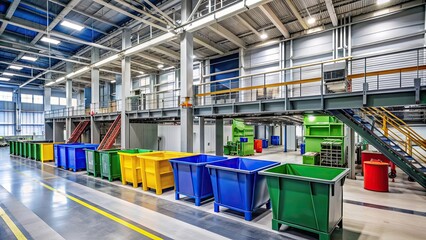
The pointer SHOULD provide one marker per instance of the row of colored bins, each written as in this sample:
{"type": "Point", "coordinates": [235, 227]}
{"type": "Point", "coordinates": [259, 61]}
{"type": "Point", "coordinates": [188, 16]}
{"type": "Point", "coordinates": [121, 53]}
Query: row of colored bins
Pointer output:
{"type": "Point", "coordinates": [275, 140]}
{"type": "Point", "coordinates": [72, 156]}
{"type": "Point", "coordinates": [103, 163]}
{"type": "Point", "coordinates": [130, 166]}
{"type": "Point", "coordinates": [192, 178]}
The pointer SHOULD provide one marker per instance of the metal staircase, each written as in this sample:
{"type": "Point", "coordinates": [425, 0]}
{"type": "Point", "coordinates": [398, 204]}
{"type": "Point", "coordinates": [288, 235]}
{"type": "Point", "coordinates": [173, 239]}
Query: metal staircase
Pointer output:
{"type": "Point", "coordinates": [75, 135]}
{"type": "Point", "coordinates": [413, 163]}
{"type": "Point", "coordinates": [111, 134]}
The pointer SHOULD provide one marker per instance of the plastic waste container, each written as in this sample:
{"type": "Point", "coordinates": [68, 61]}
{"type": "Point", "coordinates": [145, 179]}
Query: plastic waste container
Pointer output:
{"type": "Point", "coordinates": [61, 155]}
{"type": "Point", "coordinates": [238, 186]}
{"type": "Point", "coordinates": [44, 151]}
{"type": "Point", "coordinates": [130, 166]}
{"type": "Point", "coordinates": [306, 197]}
{"type": "Point", "coordinates": [110, 164]}
{"type": "Point", "coordinates": [275, 140]}
{"type": "Point", "coordinates": [93, 162]}
{"type": "Point", "coordinates": [192, 178]}
{"type": "Point", "coordinates": [265, 143]}
{"type": "Point", "coordinates": [11, 147]}
{"type": "Point", "coordinates": [376, 176]}
{"type": "Point", "coordinates": [302, 148]}
{"type": "Point", "coordinates": [258, 145]}
{"type": "Point", "coordinates": [76, 157]}
{"type": "Point", "coordinates": [156, 170]}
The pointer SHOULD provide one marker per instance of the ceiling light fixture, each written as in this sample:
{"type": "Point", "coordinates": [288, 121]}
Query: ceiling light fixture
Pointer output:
{"type": "Point", "coordinates": [160, 65]}
{"type": "Point", "coordinates": [15, 67]}
{"type": "Point", "coordinates": [49, 84]}
{"type": "Point", "coordinates": [29, 58]}
{"type": "Point", "coordinates": [263, 36]}
{"type": "Point", "coordinates": [311, 20]}
{"type": "Point", "coordinates": [113, 81]}
{"type": "Point", "coordinates": [4, 79]}
{"type": "Point", "coordinates": [8, 74]}
{"type": "Point", "coordinates": [380, 2]}
{"type": "Point", "coordinates": [50, 40]}
{"type": "Point", "coordinates": [74, 26]}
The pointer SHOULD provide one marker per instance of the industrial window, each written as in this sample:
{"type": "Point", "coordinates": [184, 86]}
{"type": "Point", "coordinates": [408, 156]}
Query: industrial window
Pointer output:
{"type": "Point", "coordinates": [26, 98]}
{"type": "Point", "coordinates": [54, 100]}
{"type": "Point", "coordinates": [38, 99]}
{"type": "Point", "coordinates": [74, 103]}
{"type": "Point", "coordinates": [6, 96]}
{"type": "Point", "coordinates": [62, 101]}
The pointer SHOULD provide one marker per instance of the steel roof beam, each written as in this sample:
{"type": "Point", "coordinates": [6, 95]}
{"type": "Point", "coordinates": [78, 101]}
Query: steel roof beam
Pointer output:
{"type": "Point", "coordinates": [9, 14]}
{"type": "Point", "coordinates": [245, 23]}
{"type": "Point", "coordinates": [209, 45]}
{"type": "Point", "coordinates": [275, 20]}
{"type": "Point", "coordinates": [38, 28]}
{"type": "Point", "coordinates": [126, 13]}
{"type": "Point", "coordinates": [166, 17]}
{"type": "Point", "coordinates": [30, 67]}
{"type": "Point", "coordinates": [220, 30]}
{"type": "Point", "coordinates": [331, 12]}
{"type": "Point", "coordinates": [22, 51]}
{"type": "Point", "coordinates": [85, 14]}
{"type": "Point", "coordinates": [296, 13]}
{"type": "Point", "coordinates": [167, 52]}
{"type": "Point", "coordinates": [128, 5]}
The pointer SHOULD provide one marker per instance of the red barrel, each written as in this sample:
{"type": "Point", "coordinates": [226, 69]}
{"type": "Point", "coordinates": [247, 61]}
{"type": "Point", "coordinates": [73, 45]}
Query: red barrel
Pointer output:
{"type": "Point", "coordinates": [258, 145]}
{"type": "Point", "coordinates": [376, 176]}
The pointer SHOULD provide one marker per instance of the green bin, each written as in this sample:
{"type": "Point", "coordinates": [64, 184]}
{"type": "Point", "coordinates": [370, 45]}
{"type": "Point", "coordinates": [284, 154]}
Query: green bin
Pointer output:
{"type": "Point", "coordinates": [306, 197]}
{"type": "Point", "coordinates": [31, 153]}
{"type": "Point", "coordinates": [110, 164]}
{"type": "Point", "coordinates": [11, 148]}
{"type": "Point", "coordinates": [92, 162]}
{"type": "Point", "coordinates": [37, 151]}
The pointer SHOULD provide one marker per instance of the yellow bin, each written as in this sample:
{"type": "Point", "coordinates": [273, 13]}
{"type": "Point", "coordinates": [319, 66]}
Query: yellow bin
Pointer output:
{"type": "Point", "coordinates": [46, 151]}
{"type": "Point", "coordinates": [156, 170]}
{"type": "Point", "coordinates": [130, 166]}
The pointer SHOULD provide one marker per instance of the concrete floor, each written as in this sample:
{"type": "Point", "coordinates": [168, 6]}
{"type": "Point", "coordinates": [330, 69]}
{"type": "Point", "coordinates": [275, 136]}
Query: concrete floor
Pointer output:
{"type": "Point", "coordinates": [43, 202]}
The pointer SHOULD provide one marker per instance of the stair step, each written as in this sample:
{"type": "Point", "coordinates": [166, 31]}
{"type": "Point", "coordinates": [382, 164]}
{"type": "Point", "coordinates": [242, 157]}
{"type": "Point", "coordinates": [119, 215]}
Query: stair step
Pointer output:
{"type": "Point", "coordinates": [423, 169]}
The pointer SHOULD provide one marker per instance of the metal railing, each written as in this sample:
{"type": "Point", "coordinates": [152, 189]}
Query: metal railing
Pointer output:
{"type": "Point", "coordinates": [151, 101]}
{"type": "Point", "coordinates": [105, 107]}
{"type": "Point", "coordinates": [381, 72]}
{"type": "Point", "coordinates": [67, 112]}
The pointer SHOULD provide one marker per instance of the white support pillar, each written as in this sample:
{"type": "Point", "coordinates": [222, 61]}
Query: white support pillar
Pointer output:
{"type": "Point", "coordinates": [94, 127]}
{"type": "Point", "coordinates": [125, 89]}
{"type": "Point", "coordinates": [68, 95]}
{"type": "Point", "coordinates": [47, 94]}
{"type": "Point", "coordinates": [186, 73]}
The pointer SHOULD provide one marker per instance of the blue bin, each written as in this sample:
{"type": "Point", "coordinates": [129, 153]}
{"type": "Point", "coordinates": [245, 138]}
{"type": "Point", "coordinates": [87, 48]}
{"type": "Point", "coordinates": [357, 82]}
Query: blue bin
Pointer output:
{"type": "Point", "coordinates": [275, 140]}
{"type": "Point", "coordinates": [238, 186]}
{"type": "Point", "coordinates": [265, 143]}
{"type": "Point", "coordinates": [192, 177]}
{"type": "Point", "coordinates": [76, 156]}
{"type": "Point", "coordinates": [60, 154]}
{"type": "Point", "coordinates": [302, 148]}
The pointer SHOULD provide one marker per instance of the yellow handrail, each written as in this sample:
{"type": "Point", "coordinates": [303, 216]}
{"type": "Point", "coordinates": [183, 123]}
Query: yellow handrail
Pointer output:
{"type": "Point", "coordinates": [393, 135]}
{"type": "Point", "coordinates": [407, 131]}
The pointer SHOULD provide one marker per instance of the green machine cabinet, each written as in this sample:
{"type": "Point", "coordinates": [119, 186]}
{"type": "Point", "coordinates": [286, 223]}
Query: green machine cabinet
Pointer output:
{"type": "Point", "coordinates": [236, 147]}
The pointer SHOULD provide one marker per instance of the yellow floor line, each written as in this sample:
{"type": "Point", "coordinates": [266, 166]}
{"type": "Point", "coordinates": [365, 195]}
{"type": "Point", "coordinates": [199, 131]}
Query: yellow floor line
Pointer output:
{"type": "Point", "coordinates": [97, 210]}
{"type": "Point", "coordinates": [103, 213]}
{"type": "Point", "coordinates": [15, 230]}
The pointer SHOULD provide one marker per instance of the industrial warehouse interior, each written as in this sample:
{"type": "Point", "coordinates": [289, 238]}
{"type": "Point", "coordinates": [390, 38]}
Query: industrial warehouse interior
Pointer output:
{"type": "Point", "coordinates": [212, 119]}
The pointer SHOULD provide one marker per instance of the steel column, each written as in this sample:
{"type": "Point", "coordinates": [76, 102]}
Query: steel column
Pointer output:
{"type": "Point", "coordinates": [219, 136]}
{"type": "Point", "coordinates": [94, 127]}
{"type": "Point", "coordinates": [186, 73]}
{"type": "Point", "coordinates": [68, 94]}
{"type": "Point", "coordinates": [125, 89]}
